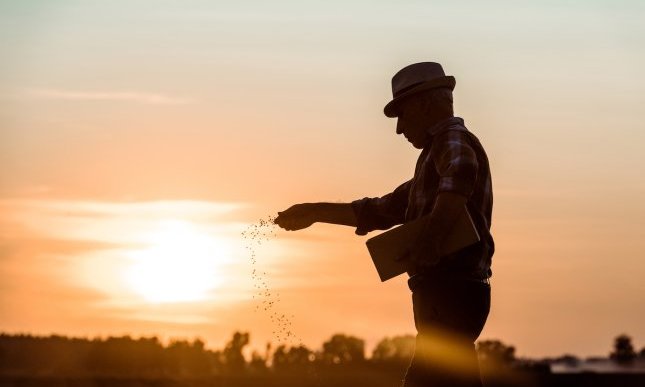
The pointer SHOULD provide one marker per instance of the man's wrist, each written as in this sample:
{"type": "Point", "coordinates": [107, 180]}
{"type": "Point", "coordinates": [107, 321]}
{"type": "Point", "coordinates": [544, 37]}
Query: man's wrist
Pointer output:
{"type": "Point", "coordinates": [335, 213]}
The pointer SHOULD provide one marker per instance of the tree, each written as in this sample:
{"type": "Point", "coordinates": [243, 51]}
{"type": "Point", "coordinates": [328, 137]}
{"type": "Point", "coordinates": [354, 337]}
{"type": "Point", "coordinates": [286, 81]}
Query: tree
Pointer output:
{"type": "Point", "coordinates": [342, 349]}
{"type": "Point", "coordinates": [398, 349]}
{"type": "Point", "coordinates": [188, 358]}
{"type": "Point", "coordinates": [623, 352]}
{"type": "Point", "coordinates": [494, 353]}
{"type": "Point", "coordinates": [258, 362]}
{"type": "Point", "coordinates": [299, 357]}
{"type": "Point", "coordinates": [233, 357]}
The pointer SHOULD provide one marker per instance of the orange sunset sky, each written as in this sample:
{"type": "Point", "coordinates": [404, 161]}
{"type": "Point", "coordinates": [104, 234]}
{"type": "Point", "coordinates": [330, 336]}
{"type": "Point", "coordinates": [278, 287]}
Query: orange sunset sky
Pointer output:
{"type": "Point", "coordinates": [138, 139]}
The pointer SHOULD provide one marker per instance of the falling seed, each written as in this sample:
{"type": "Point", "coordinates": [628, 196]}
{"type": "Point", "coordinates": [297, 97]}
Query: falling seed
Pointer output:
{"type": "Point", "coordinates": [256, 234]}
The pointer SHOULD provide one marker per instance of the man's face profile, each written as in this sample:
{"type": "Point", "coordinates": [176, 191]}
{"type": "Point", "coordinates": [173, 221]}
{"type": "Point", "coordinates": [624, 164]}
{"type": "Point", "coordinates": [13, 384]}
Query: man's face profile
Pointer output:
{"type": "Point", "coordinates": [412, 122]}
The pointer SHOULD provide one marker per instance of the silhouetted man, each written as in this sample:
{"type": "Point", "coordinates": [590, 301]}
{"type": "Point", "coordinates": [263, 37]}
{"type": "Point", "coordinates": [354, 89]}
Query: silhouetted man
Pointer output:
{"type": "Point", "coordinates": [450, 294]}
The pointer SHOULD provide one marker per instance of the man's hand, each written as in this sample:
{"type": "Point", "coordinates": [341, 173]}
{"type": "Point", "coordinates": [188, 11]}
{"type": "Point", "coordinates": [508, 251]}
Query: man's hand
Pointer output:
{"type": "Point", "coordinates": [297, 217]}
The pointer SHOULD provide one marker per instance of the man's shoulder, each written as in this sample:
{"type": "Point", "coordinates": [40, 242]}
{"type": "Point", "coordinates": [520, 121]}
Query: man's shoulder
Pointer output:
{"type": "Point", "coordinates": [452, 135]}
{"type": "Point", "coordinates": [456, 140]}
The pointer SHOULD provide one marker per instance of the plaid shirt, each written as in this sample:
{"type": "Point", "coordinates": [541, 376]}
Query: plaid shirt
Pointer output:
{"type": "Point", "coordinates": [453, 161]}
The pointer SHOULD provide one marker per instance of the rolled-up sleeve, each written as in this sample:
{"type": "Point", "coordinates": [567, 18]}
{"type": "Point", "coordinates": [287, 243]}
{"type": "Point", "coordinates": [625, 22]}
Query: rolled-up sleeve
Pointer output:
{"type": "Point", "coordinates": [456, 163]}
{"type": "Point", "coordinates": [381, 213]}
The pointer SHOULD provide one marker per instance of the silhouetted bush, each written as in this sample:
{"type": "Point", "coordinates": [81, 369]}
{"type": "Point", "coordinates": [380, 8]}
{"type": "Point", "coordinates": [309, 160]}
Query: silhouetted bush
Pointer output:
{"type": "Point", "coordinates": [399, 349]}
{"type": "Point", "coordinates": [343, 350]}
{"type": "Point", "coordinates": [232, 354]}
{"type": "Point", "coordinates": [623, 352]}
{"type": "Point", "coordinates": [294, 358]}
{"type": "Point", "coordinates": [494, 353]}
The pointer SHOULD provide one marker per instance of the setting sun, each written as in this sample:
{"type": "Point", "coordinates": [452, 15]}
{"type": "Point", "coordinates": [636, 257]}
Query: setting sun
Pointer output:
{"type": "Point", "coordinates": [180, 264]}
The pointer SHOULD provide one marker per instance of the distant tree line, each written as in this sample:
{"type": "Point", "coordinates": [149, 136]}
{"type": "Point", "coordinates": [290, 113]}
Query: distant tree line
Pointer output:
{"type": "Point", "coordinates": [148, 357]}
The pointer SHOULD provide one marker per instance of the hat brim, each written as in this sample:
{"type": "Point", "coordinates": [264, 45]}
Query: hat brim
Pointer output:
{"type": "Point", "coordinates": [447, 82]}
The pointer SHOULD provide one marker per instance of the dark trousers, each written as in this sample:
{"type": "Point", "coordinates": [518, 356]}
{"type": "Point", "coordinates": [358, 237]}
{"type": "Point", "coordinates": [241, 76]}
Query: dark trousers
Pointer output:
{"type": "Point", "coordinates": [449, 315]}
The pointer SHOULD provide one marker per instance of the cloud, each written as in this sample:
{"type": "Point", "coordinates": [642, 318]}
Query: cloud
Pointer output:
{"type": "Point", "coordinates": [113, 96]}
{"type": "Point", "coordinates": [109, 222]}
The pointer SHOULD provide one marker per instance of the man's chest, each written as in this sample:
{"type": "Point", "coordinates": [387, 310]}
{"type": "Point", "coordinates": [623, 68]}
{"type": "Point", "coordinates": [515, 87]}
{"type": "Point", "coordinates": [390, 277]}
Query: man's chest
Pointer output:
{"type": "Point", "coordinates": [423, 191]}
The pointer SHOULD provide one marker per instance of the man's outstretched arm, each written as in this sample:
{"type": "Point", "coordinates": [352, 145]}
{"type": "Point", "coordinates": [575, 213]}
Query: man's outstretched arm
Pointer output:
{"type": "Point", "coordinates": [367, 214]}
{"type": "Point", "coordinates": [303, 215]}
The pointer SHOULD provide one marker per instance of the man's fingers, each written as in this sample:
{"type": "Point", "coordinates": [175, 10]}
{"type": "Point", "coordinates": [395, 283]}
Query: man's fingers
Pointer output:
{"type": "Point", "coordinates": [287, 224]}
{"type": "Point", "coordinates": [292, 219]}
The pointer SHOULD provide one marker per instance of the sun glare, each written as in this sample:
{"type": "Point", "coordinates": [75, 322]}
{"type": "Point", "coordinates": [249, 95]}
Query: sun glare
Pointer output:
{"type": "Point", "coordinates": [181, 264]}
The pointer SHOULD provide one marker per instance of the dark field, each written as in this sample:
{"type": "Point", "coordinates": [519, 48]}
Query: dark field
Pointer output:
{"type": "Point", "coordinates": [376, 379]}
